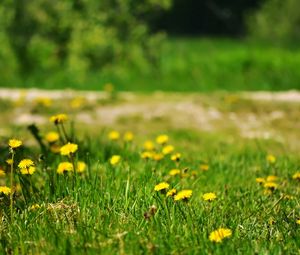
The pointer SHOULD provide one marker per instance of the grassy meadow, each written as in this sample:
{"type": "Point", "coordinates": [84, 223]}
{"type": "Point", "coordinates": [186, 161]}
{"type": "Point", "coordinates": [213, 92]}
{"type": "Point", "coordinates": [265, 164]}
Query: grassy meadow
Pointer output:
{"type": "Point", "coordinates": [187, 65]}
{"type": "Point", "coordinates": [235, 159]}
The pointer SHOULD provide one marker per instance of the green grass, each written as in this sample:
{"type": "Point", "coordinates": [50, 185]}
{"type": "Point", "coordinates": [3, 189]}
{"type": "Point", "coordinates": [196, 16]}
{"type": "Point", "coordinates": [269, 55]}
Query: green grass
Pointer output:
{"type": "Point", "coordinates": [102, 210]}
{"type": "Point", "coordinates": [191, 64]}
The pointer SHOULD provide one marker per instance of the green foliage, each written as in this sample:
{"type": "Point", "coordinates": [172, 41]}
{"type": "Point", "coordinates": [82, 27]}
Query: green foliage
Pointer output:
{"type": "Point", "coordinates": [66, 39]}
{"type": "Point", "coordinates": [198, 65]}
{"type": "Point", "coordinates": [277, 21]}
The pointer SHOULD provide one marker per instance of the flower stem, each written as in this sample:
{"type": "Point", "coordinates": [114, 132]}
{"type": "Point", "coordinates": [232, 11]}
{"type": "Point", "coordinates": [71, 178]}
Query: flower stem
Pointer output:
{"type": "Point", "coordinates": [11, 184]}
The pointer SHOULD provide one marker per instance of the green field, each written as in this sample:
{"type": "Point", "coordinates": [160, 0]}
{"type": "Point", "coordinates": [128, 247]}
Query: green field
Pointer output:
{"type": "Point", "coordinates": [114, 208]}
{"type": "Point", "coordinates": [190, 64]}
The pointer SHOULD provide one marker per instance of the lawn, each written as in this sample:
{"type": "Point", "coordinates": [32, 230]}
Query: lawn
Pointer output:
{"type": "Point", "coordinates": [186, 65]}
{"type": "Point", "coordinates": [244, 151]}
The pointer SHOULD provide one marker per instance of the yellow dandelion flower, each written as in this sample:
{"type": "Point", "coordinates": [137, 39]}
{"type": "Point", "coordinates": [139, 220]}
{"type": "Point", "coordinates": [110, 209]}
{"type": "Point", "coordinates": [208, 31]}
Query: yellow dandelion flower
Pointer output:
{"type": "Point", "coordinates": [115, 159]}
{"type": "Point", "coordinates": [296, 176]}
{"type": "Point", "coordinates": [204, 167]}
{"type": "Point", "coordinates": [35, 207]}
{"type": "Point", "coordinates": [28, 170]}
{"type": "Point", "coordinates": [43, 101]}
{"type": "Point", "coordinates": [9, 161]}
{"type": "Point", "coordinates": [25, 163]}
{"type": "Point", "coordinates": [260, 180]}
{"type": "Point", "coordinates": [77, 102]}
{"type": "Point", "coordinates": [81, 166]}
{"type": "Point", "coordinates": [194, 173]}
{"type": "Point", "coordinates": [298, 221]}
{"type": "Point", "coordinates": [149, 145]}
{"type": "Point", "coordinates": [52, 137]}
{"type": "Point", "coordinates": [168, 149]}
{"type": "Point", "coordinates": [113, 135]}
{"type": "Point", "coordinates": [270, 185]}
{"type": "Point", "coordinates": [209, 196]}
{"type": "Point", "coordinates": [271, 178]}
{"type": "Point", "coordinates": [59, 118]}
{"type": "Point", "coordinates": [158, 156]}
{"type": "Point", "coordinates": [183, 195]}
{"type": "Point", "coordinates": [219, 234]}
{"type": "Point", "coordinates": [171, 193]}
{"type": "Point", "coordinates": [162, 139]}
{"type": "Point", "coordinates": [271, 158]}
{"type": "Point", "coordinates": [14, 143]}
{"type": "Point", "coordinates": [176, 157]}
{"type": "Point", "coordinates": [147, 155]}
{"type": "Point", "coordinates": [174, 172]}
{"type": "Point", "coordinates": [162, 186]}
{"type": "Point", "coordinates": [5, 190]}
{"type": "Point", "coordinates": [2, 173]}
{"type": "Point", "coordinates": [128, 136]}
{"type": "Point", "coordinates": [68, 149]}
{"type": "Point", "coordinates": [64, 167]}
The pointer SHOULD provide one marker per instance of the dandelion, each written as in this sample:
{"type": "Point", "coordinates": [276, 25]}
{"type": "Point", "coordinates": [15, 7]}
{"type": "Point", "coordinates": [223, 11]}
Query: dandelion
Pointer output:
{"type": "Point", "coordinates": [158, 156]}
{"type": "Point", "coordinates": [5, 190]}
{"type": "Point", "coordinates": [209, 196]}
{"type": "Point", "coordinates": [219, 234]}
{"type": "Point", "coordinates": [271, 158]}
{"type": "Point", "coordinates": [68, 149]}
{"type": "Point", "coordinates": [194, 173]}
{"type": "Point", "coordinates": [43, 101]}
{"type": "Point", "coordinates": [260, 180]}
{"type": "Point", "coordinates": [296, 176]}
{"type": "Point", "coordinates": [271, 178]}
{"type": "Point", "coordinates": [148, 145]}
{"type": "Point", "coordinates": [168, 149]}
{"type": "Point", "coordinates": [2, 173]}
{"type": "Point", "coordinates": [35, 207]}
{"type": "Point", "coordinates": [147, 155]}
{"type": "Point", "coordinates": [204, 167]}
{"type": "Point", "coordinates": [162, 139]}
{"type": "Point", "coordinates": [28, 170]}
{"type": "Point", "coordinates": [171, 193]}
{"type": "Point", "coordinates": [114, 135]}
{"type": "Point", "coordinates": [14, 143]}
{"type": "Point", "coordinates": [9, 161]}
{"type": "Point", "coordinates": [59, 118]}
{"type": "Point", "coordinates": [25, 163]}
{"type": "Point", "coordinates": [298, 221]}
{"type": "Point", "coordinates": [77, 102]}
{"type": "Point", "coordinates": [174, 172]}
{"type": "Point", "coordinates": [115, 159]}
{"type": "Point", "coordinates": [52, 137]}
{"type": "Point", "coordinates": [271, 186]}
{"type": "Point", "coordinates": [183, 195]}
{"type": "Point", "coordinates": [162, 186]}
{"type": "Point", "coordinates": [128, 136]}
{"type": "Point", "coordinates": [81, 167]}
{"type": "Point", "coordinates": [64, 167]}
{"type": "Point", "coordinates": [176, 157]}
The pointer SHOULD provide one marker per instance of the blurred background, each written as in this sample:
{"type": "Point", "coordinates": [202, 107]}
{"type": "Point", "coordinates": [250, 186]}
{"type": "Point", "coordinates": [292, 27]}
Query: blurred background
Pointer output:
{"type": "Point", "coordinates": [147, 45]}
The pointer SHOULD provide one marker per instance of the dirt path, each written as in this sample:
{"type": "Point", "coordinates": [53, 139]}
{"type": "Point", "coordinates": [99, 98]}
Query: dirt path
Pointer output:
{"type": "Point", "coordinates": [253, 115]}
{"type": "Point", "coordinates": [31, 94]}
